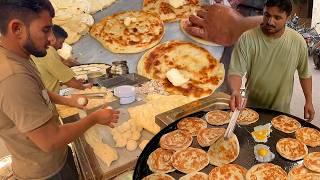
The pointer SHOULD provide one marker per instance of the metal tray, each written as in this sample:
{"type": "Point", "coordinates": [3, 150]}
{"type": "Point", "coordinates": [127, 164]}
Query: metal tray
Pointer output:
{"type": "Point", "coordinates": [246, 157]}
{"type": "Point", "coordinates": [126, 79]}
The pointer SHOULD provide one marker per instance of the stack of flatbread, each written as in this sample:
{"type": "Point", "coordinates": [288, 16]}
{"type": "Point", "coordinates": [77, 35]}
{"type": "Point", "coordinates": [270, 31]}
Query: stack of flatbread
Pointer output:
{"type": "Point", "coordinates": [74, 16]}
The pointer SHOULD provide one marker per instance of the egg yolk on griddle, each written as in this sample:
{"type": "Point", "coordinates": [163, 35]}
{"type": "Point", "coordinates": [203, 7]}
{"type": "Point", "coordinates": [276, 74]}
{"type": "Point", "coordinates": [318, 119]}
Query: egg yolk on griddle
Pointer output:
{"type": "Point", "coordinates": [260, 135]}
{"type": "Point", "coordinates": [263, 152]}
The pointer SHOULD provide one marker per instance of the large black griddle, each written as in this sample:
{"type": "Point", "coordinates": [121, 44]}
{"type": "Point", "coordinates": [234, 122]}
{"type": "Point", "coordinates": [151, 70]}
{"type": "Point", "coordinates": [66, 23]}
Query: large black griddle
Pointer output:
{"type": "Point", "coordinates": [246, 157]}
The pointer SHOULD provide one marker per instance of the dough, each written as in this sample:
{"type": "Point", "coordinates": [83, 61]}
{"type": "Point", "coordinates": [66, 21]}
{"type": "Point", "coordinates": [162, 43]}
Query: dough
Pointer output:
{"type": "Point", "coordinates": [143, 144]}
{"type": "Point", "coordinates": [135, 135]}
{"type": "Point", "coordinates": [82, 101]}
{"type": "Point", "coordinates": [132, 145]}
{"type": "Point", "coordinates": [121, 142]}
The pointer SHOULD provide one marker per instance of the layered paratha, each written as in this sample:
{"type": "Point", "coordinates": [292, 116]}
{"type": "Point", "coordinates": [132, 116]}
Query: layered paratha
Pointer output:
{"type": "Point", "coordinates": [285, 124]}
{"type": "Point", "coordinates": [228, 172]}
{"type": "Point", "coordinates": [309, 136]}
{"type": "Point", "coordinates": [217, 117]}
{"type": "Point", "coordinates": [184, 23]}
{"type": "Point", "coordinates": [129, 32]}
{"type": "Point", "coordinates": [301, 172]}
{"type": "Point", "coordinates": [192, 125]}
{"type": "Point", "coordinates": [169, 13]}
{"type": "Point", "coordinates": [158, 176]}
{"type": "Point", "coordinates": [195, 176]}
{"type": "Point", "coordinates": [266, 171]}
{"type": "Point", "coordinates": [224, 151]}
{"type": "Point", "coordinates": [247, 116]}
{"type": "Point", "coordinates": [159, 161]}
{"type": "Point", "coordinates": [312, 161]}
{"type": "Point", "coordinates": [291, 149]}
{"type": "Point", "coordinates": [208, 136]}
{"type": "Point", "coordinates": [176, 140]}
{"type": "Point", "coordinates": [190, 160]}
{"type": "Point", "coordinates": [204, 72]}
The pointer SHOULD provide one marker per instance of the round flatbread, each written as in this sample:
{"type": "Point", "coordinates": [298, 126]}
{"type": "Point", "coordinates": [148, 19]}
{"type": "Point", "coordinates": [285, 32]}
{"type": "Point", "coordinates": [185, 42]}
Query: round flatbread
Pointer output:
{"type": "Point", "coordinates": [169, 13]}
{"type": "Point", "coordinates": [190, 160]}
{"type": "Point", "coordinates": [247, 116]}
{"type": "Point", "coordinates": [266, 171]}
{"type": "Point", "coordinates": [224, 151]}
{"type": "Point", "coordinates": [129, 31]}
{"type": "Point", "coordinates": [208, 136]}
{"type": "Point", "coordinates": [192, 125]}
{"type": "Point", "coordinates": [217, 117]}
{"type": "Point", "coordinates": [204, 72]}
{"type": "Point", "coordinates": [176, 140]}
{"type": "Point", "coordinates": [291, 149]}
{"type": "Point", "coordinates": [296, 173]}
{"type": "Point", "coordinates": [159, 161]}
{"type": "Point", "coordinates": [228, 172]}
{"type": "Point", "coordinates": [309, 136]}
{"type": "Point", "coordinates": [308, 176]}
{"type": "Point", "coordinates": [285, 124]}
{"type": "Point", "coordinates": [158, 176]}
{"type": "Point", "coordinates": [195, 176]}
{"type": "Point", "coordinates": [183, 24]}
{"type": "Point", "coordinates": [312, 161]}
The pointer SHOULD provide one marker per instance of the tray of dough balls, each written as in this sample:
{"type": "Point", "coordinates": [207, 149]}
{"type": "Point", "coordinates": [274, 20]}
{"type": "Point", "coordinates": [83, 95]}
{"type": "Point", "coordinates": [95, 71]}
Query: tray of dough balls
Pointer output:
{"type": "Point", "coordinates": [265, 145]}
{"type": "Point", "coordinates": [82, 71]}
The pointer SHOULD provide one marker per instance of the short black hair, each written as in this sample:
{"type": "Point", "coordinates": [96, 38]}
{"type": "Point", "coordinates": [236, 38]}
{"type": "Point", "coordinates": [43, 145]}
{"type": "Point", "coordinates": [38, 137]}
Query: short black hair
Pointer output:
{"type": "Point", "coordinates": [59, 32]}
{"type": "Point", "coordinates": [283, 5]}
{"type": "Point", "coordinates": [25, 10]}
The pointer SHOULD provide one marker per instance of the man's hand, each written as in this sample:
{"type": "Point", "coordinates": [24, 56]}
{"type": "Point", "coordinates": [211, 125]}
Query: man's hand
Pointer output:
{"type": "Point", "coordinates": [309, 112]}
{"type": "Point", "coordinates": [105, 116]}
{"type": "Point", "coordinates": [220, 24]}
{"type": "Point", "coordinates": [74, 101]}
{"type": "Point", "coordinates": [235, 100]}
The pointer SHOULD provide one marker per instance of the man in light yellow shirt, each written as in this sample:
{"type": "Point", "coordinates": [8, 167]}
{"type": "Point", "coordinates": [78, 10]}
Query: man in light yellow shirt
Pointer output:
{"type": "Point", "coordinates": [51, 67]}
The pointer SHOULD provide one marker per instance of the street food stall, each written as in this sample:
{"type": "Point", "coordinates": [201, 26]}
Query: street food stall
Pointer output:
{"type": "Point", "coordinates": [160, 62]}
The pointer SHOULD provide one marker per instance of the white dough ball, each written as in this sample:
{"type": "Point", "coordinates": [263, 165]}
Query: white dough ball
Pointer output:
{"type": "Point", "coordinates": [124, 127]}
{"type": "Point", "coordinates": [121, 142]}
{"type": "Point", "coordinates": [143, 144]}
{"type": "Point", "coordinates": [103, 89]}
{"type": "Point", "coordinates": [82, 101]}
{"type": "Point", "coordinates": [126, 135]}
{"type": "Point", "coordinates": [135, 135]}
{"type": "Point", "coordinates": [132, 145]}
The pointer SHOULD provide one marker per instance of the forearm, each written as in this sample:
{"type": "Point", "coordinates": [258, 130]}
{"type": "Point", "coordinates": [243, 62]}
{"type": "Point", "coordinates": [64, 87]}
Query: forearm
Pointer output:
{"type": "Point", "coordinates": [57, 99]}
{"type": "Point", "coordinates": [234, 82]}
{"type": "Point", "coordinates": [69, 132]}
{"type": "Point", "coordinates": [51, 137]}
{"type": "Point", "coordinates": [250, 22]}
{"type": "Point", "coordinates": [74, 83]}
{"type": "Point", "coordinates": [306, 85]}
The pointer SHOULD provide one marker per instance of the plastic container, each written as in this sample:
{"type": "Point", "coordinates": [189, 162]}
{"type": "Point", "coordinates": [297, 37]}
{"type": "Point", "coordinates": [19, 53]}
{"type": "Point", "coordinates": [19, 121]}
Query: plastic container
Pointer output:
{"type": "Point", "coordinates": [127, 94]}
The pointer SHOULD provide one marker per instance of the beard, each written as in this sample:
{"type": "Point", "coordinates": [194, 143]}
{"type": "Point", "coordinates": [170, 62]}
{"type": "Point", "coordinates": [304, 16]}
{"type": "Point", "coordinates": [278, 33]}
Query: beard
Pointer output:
{"type": "Point", "coordinates": [31, 48]}
{"type": "Point", "coordinates": [270, 29]}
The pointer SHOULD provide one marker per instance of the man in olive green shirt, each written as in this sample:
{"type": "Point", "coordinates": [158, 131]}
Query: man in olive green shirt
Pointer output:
{"type": "Point", "coordinates": [51, 68]}
{"type": "Point", "coordinates": [270, 55]}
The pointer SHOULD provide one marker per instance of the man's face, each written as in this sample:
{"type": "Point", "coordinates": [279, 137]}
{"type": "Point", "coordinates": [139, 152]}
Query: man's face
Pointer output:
{"type": "Point", "coordinates": [38, 35]}
{"type": "Point", "coordinates": [274, 20]}
{"type": "Point", "coordinates": [58, 43]}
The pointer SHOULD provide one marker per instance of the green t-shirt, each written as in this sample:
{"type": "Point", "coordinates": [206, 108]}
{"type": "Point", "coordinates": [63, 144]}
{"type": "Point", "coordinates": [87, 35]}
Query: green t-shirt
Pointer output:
{"type": "Point", "coordinates": [52, 70]}
{"type": "Point", "coordinates": [270, 65]}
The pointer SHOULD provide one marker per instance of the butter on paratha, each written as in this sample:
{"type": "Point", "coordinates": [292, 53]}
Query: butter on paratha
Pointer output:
{"type": "Point", "coordinates": [224, 151]}
{"type": "Point", "coordinates": [285, 124]}
{"type": "Point", "coordinates": [228, 172]}
{"type": "Point", "coordinates": [205, 73]}
{"type": "Point", "coordinates": [129, 31]}
{"type": "Point", "coordinates": [312, 161]}
{"type": "Point", "coordinates": [159, 161]}
{"type": "Point", "coordinates": [291, 149]}
{"type": "Point", "coordinates": [190, 160]}
{"type": "Point", "coordinates": [167, 12]}
{"type": "Point", "coordinates": [309, 136]}
{"type": "Point", "coordinates": [192, 125]}
{"type": "Point", "coordinates": [266, 171]}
